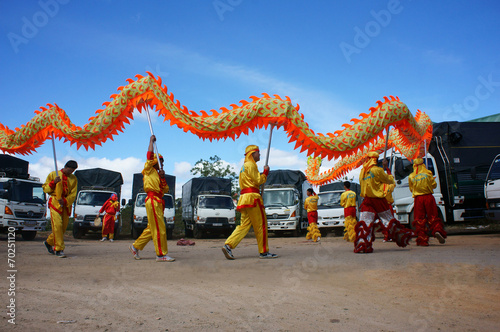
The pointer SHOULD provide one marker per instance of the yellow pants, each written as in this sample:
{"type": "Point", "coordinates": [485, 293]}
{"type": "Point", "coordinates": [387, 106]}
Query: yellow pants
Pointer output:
{"type": "Point", "coordinates": [349, 232]}
{"type": "Point", "coordinates": [313, 232]}
{"type": "Point", "coordinates": [251, 217]}
{"type": "Point", "coordinates": [156, 229]}
{"type": "Point", "coordinates": [59, 224]}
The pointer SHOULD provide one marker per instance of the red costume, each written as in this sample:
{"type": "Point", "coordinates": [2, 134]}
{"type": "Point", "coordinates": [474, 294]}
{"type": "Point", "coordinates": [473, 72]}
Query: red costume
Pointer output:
{"type": "Point", "coordinates": [111, 207]}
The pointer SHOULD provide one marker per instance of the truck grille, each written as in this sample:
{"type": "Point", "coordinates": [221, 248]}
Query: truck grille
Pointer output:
{"type": "Point", "coordinates": [276, 216]}
{"type": "Point", "coordinates": [89, 217]}
{"type": "Point", "coordinates": [28, 215]}
{"type": "Point", "coordinates": [216, 221]}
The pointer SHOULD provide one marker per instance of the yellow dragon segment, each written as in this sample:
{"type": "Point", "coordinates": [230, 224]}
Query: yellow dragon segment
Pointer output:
{"type": "Point", "coordinates": [351, 143]}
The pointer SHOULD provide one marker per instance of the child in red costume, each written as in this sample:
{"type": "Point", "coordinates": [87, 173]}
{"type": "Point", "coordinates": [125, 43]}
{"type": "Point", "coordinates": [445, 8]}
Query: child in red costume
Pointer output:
{"type": "Point", "coordinates": [111, 207]}
{"type": "Point", "coordinates": [422, 184]}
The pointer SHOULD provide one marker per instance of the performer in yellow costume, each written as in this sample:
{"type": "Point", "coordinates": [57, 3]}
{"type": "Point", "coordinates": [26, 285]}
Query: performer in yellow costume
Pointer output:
{"type": "Point", "coordinates": [375, 206]}
{"type": "Point", "coordinates": [62, 190]}
{"type": "Point", "coordinates": [155, 186]}
{"type": "Point", "coordinates": [311, 205]}
{"type": "Point", "coordinates": [251, 206]}
{"type": "Point", "coordinates": [348, 202]}
{"type": "Point", "coordinates": [422, 184]}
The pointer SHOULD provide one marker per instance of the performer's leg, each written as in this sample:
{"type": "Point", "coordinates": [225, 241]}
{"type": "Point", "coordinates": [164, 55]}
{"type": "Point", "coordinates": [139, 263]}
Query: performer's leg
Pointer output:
{"type": "Point", "coordinates": [364, 228]}
{"type": "Point", "coordinates": [435, 223]}
{"type": "Point", "coordinates": [143, 239]}
{"type": "Point", "coordinates": [56, 237]}
{"type": "Point", "coordinates": [240, 231]}
{"type": "Point", "coordinates": [259, 223]}
{"type": "Point", "coordinates": [157, 227]}
{"type": "Point", "coordinates": [420, 221]}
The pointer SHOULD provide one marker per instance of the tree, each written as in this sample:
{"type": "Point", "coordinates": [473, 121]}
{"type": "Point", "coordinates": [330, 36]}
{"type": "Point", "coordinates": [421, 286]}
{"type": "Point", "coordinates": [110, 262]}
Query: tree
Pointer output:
{"type": "Point", "coordinates": [215, 167]}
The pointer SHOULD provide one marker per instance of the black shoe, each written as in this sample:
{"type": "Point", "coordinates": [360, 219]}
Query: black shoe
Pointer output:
{"type": "Point", "coordinates": [49, 248]}
{"type": "Point", "coordinates": [268, 255]}
{"type": "Point", "coordinates": [60, 254]}
{"type": "Point", "coordinates": [227, 252]}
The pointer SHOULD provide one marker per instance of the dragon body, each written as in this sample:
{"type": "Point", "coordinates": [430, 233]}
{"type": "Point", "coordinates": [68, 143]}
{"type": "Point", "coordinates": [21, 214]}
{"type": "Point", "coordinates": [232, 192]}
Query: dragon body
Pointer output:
{"type": "Point", "coordinates": [349, 144]}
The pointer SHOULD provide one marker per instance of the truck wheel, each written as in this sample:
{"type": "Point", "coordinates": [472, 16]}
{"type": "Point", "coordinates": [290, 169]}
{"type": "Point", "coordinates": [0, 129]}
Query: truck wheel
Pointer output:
{"type": "Point", "coordinates": [117, 232]}
{"type": "Point", "coordinates": [296, 231]}
{"type": "Point", "coordinates": [410, 220]}
{"type": "Point", "coordinates": [28, 235]}
{"type": "Point", "coordinates": [187, 232]}
{"type": "Point", "coordinates": [77, 232]}
{"type": "Point", "coordinates": [198, 233]}
{"type": "Point", "coordinates": [135, 232]}
{"type": "Point", "coordinates": [170, 234]}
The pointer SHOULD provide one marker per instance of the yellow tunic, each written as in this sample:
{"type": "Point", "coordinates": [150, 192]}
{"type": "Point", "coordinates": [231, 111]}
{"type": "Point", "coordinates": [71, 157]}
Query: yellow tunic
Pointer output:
{"type": "Point", "coordinates": [311, 203]}
{"type": "Point", "coordinates": [421, 183]}
{"type": "Point", "coordinates": [348, 199]}
{"type": "Point", "coordinates": [372, 182]}
{"type": "Point", "coordinates": [69, 195]}
{"type": "Point", "coordinates": [250, 178]}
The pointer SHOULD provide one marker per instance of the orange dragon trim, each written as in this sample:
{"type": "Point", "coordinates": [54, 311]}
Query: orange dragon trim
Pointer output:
{"type": "Point", "coordinates": [363, 135]}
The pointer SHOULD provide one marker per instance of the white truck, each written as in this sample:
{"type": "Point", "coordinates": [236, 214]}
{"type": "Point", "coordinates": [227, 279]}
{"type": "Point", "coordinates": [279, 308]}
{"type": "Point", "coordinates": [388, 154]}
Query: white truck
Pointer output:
{"type": "Point", "coordinates": [492, 191]}
{"type": "Point", "coordinates": [139, 214]}
{"type": "Point", "coordinates": [330, 212]}
{"type": "Point", "coordinates": [22, 200]}
{"type": "Point", "coordinates": [459, 156]}
{"type": "Point", "coordinates": [284, 194]}
{"type": "Point", "coordinates": [207, 207]}
{"type": "Point", "coordinates": [95, 186]}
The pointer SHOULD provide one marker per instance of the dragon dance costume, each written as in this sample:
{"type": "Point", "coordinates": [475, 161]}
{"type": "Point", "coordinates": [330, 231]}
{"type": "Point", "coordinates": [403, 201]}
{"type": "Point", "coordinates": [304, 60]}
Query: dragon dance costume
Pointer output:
{"type": "Point", "coordinates": [311, 205]}
{"type": "Point", "coordinates": [375, 207]}
{"type": "Point", "coordinates": [426, 220]}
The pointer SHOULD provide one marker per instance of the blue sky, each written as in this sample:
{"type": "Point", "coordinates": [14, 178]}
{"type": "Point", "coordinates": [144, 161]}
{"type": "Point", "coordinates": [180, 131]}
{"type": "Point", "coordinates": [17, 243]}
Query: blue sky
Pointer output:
{"type": "Point", "coordinates": [334, 58]}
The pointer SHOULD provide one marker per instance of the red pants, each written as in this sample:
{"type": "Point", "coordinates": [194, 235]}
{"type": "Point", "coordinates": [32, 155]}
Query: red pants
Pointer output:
{"type": "Point", "coordinates": [377, 208]}
{"type": "Point", "coordinates": [312, 217]}
{"type": "Point", "coordinates": [426, 219]}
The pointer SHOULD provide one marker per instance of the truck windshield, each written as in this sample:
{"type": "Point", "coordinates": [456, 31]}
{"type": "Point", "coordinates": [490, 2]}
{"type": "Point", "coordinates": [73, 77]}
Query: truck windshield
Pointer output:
{"type": "Point", "coordinates": [403, 167]}
{"type": "Point", "coordinates": [495, 170]}
{"type": "Point", "coordinates": [93, 198]}
{"type": "Point", "coordinates": [329, 200]}
{"type": "Point", "coordinates": [215, 202]}
{"type": "Point", "coordinates": [278, 198]}
{"type": "Point", "coordinates": [26, 192]}
{"type": "Point", "coordinates": [141, 201]}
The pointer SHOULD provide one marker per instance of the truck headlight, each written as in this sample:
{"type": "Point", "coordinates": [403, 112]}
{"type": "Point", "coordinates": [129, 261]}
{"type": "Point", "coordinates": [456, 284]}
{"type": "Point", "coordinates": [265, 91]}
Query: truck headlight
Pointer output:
{"type": "Point", "coordinates": [137, 218]}
{"type": "Point", "coordinates": [79, 217]}
{"type": "Point", "coordinates": [232, 220]}
{"type": "Point", "coordinates": [201, 220]}
{"type": "Point", "coordinates": [170, 219]}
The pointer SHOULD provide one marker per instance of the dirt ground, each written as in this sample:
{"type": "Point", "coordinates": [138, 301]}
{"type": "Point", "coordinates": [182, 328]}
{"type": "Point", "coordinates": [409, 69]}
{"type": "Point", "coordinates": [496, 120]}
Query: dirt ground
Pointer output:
{"type": "Point", "coordinates": [310, 287]}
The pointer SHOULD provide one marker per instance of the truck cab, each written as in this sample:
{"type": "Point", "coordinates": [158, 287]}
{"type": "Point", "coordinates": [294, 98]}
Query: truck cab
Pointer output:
{"type": "Point", "coordinates": [284, 209]}
{"type": "Point", "coordinates": [22, 205]}
{"type": "Point", "coordinates": [212, 213]}
{"type": "Point", "coordinates": [140, 216]}
{"type": "Point", "coordinates": [492, 191]}
{"type": "Point", "coordinates": [89, 201]}
{"type": "Point", "coordinates": [330, 212]}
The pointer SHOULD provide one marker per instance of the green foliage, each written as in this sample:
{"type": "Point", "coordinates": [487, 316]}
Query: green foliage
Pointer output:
{"type": "Point", "coordinates": [215, 167]}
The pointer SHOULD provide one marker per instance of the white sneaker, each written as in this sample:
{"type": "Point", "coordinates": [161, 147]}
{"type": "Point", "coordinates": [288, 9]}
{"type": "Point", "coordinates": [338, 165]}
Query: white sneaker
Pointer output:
{"type": "Point", "coordinates": [165, 258]}
{"type": "Point", "coordinates": [103, 239]}
{"type": "Point", "coordinates": [111, 240]}
{"type": "Point", "coordinates": [134, 252]}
